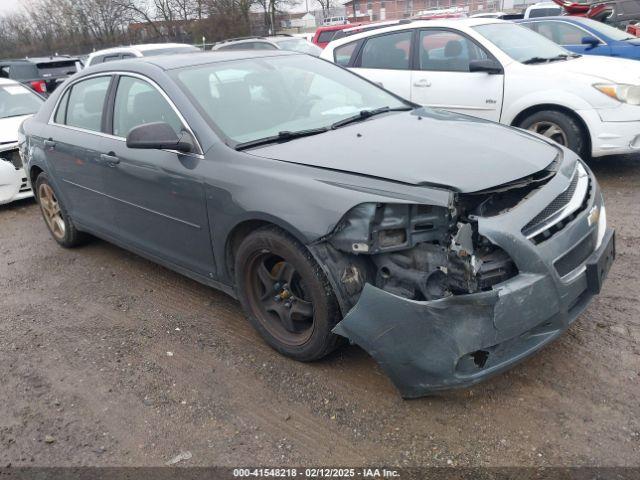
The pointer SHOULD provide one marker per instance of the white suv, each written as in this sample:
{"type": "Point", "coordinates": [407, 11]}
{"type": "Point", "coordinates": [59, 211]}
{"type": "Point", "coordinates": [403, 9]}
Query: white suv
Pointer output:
{"type": "Point", "coordinates": [504, 72]}
{"type": "Point", "coordinates": [136, 51]}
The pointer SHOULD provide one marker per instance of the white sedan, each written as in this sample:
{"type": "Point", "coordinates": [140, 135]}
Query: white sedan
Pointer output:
{"type": "Point", "coordinates": [504, 72]}
{"type": "Point", "coordinates": [16, 104]}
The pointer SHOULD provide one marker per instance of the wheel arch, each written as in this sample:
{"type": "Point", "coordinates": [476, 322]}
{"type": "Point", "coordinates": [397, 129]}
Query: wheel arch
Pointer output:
{"type": "Point", "coordinates": [557, 108]}
{"type": "Point", "coordinates": [34, 172]}
{"type": "Point", "coordinates": [243, 228]}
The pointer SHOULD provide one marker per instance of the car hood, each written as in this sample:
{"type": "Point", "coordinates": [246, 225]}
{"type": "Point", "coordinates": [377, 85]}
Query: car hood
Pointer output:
{"type": "Point", "coordinates": [600, 68]}
{"type": "Point", "coordinates": [9, 128]}
{"type": "Point", "coordinates": [425, 146]}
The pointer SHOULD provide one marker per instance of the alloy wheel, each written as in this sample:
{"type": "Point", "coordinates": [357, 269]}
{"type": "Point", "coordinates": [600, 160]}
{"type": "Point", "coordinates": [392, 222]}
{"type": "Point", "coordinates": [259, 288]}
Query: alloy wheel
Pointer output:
{"type": "Point", "coordinates": [550, 130]}
{"type": "Point", "coordinates": [51, 211]}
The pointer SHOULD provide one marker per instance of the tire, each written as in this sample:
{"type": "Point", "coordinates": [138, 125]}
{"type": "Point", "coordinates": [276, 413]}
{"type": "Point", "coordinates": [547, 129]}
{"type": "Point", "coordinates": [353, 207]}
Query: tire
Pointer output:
{"type": "Point", "coordinates": [55, 215]}
{"type": "Point", "coordinates": [573, 135]}
{"type": "Point", "coordinates": [272, 271]}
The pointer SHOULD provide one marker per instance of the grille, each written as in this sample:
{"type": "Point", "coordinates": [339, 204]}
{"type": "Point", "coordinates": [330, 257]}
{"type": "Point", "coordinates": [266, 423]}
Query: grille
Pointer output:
{"type": "Point", "coordinates": [576, 256]}
{"type": "Point", "coordinates": [13, 157]}
{"type": "Point", "coordinates": [557, 204]}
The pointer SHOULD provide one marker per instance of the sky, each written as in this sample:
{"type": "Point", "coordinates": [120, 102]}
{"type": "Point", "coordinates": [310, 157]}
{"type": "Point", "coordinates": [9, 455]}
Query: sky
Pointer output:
{"type": "Point", "coordinates": [7, 6]}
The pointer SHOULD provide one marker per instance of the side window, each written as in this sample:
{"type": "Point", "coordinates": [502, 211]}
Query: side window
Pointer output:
{"type": "Point", "coordinates": [4, 72]}
{"type": "Point", "coordinates": [566, 34]}
{"type": "Point", "coordinates": [343, 53]}
{"type": "Point", "coordinates": [389, 51]}
{"type": "Point", "coordinates": [137, 103]}
{"type": "Point", "coordinates": [446, 51]}
{"type": "Point", "coordinates": [61, 113]}
{"type": "Point", "coordinates": [111, 58]}
{"type": "Point", "coordinates": [86, 102]}
{"type": "Point", "coordinates": [128, 55]}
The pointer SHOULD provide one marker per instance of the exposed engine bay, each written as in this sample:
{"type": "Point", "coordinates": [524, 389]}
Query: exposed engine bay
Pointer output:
{"type": "Point", "coordinates": [424, 252]}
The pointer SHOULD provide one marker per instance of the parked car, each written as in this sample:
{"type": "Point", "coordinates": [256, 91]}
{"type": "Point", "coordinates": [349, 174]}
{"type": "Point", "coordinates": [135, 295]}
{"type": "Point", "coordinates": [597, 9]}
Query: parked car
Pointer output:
{"type": "Point", "coordinates": [276, 42]}
{"type": "Point", "coordinates": [586, 36]}
{"type": "Point", "coordinates": [448, 247]}
{"type": "Point", "coordinates": [41, 74]}
{"type": "Point", "coordinates": [624, 12]}
{"type": "Point", "coordinates": [136, 51]}
{"type": "Point", "coordinates": [543, 9]}
{"type": "Point", "coordinates": [17, 103]}
{"type": "Point", "coordinates": [504, 72]}
{"type": "Point", "coordinates": [325, 34]}
{"type": "Point", "coordinates": [595, 9]}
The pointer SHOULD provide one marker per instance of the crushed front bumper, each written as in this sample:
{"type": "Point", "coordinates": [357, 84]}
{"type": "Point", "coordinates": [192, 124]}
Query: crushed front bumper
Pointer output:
{"type": "Point", "coordinates": [461, 340]}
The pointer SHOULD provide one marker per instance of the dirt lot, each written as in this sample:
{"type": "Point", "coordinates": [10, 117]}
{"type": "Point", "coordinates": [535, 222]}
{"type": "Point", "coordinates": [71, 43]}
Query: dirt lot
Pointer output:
{"type": "Point", "coordinates": [108, 359]}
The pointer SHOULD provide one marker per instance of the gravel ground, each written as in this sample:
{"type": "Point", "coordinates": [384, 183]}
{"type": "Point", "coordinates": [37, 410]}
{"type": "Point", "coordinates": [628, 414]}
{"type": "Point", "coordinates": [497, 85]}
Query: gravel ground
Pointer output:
{"type": "Point", "coordinates": [108, 359]}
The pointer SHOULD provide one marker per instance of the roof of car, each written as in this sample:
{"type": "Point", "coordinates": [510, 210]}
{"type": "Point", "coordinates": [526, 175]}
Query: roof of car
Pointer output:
{"type": "Point", "coordinates": [564, 18]}
{"type": "Point", "coordinates": [171, 62]}
{"type": "Point", "coordinates": [38, 59]}
{"type": "Point", "coordinates": [445, 22]}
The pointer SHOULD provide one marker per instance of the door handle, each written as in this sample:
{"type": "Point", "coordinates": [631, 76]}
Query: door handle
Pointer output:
{"type": "Point", "coordinates": [422, 83]}
{"type": "Point", "coordinates": [110, 159]}
{"type": "Point", "coordinates": [50, 144]}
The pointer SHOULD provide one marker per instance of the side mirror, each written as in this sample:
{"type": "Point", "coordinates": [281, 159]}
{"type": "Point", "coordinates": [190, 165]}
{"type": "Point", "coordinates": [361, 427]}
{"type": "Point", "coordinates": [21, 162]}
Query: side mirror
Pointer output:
{"type": "Point", "coordinates": [489, 65]}
{"type": "Point", "coordinates": [591, 41]}
{"type": "Point", "coordinates": [159, 136]}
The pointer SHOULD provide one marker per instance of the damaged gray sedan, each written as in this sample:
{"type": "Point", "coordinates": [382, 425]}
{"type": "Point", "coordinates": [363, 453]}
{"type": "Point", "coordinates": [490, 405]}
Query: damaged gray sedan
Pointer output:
{"type": "Point", "coordinates": [447, 247]}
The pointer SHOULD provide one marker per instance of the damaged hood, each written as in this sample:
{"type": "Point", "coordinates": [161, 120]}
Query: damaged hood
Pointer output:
{"type": "Point", "coordinates": [429, 147]}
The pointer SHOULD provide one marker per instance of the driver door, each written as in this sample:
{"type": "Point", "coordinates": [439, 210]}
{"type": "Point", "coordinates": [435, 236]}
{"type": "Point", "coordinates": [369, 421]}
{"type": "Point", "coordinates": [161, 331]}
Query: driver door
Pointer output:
{"type": "Point", "coordinates": [442, 78]}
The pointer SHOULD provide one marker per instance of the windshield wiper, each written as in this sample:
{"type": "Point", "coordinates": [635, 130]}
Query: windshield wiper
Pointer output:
{"type": "Point", "coordinates": [532, 60]}
{"type": "Point", "coordinates": [283, 136]}
{"type": "Point", "coordinates": [364, 114]}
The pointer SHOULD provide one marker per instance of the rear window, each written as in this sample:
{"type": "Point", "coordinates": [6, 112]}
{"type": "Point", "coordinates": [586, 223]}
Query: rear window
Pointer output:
{"type": "Point", "coordinates": [86, 102]}
{"type": "Point", "coordinates": [57, 69]}
{"type": "Point", "coordinates": [326, 36]}
{"type": "Point", "coordinates": [20, 71]}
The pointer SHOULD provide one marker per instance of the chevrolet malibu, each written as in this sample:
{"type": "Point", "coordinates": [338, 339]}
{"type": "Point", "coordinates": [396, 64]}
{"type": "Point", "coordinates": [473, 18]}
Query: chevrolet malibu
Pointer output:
{"type": "Point", "coordinates": [448, 247]}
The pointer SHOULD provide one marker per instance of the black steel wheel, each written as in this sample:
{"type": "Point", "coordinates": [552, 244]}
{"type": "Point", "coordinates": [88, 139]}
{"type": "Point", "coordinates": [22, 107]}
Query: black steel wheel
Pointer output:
{"type": "Point", "coordinates": [286, 294]}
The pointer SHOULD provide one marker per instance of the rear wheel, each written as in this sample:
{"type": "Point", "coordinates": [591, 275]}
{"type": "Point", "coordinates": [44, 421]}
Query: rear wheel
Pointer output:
{"type": "Point", "coordinates": [286, 295]}
{"type": "Point", "coordinates": [559, 127]}
{"type": "Point", "coordinates": [55, 216]}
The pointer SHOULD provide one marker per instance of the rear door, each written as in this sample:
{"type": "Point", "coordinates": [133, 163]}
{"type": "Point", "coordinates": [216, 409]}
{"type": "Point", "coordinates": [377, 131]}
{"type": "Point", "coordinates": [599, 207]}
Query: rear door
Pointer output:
{"type": "Point", "coordinates": [442, 78]}
{"type": "Point", "coordinates": [74, 146]}
{"type": "Point", "coordinates": [386, 59]}
{"type": "Point", "coordinates": [157, 196]}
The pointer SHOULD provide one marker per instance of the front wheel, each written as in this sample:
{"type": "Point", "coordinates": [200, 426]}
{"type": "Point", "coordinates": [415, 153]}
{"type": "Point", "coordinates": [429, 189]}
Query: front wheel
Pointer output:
{"type": "Point", "coordinates": [286, 295]}
{"type": "Point", "coordinates": [559, 127]}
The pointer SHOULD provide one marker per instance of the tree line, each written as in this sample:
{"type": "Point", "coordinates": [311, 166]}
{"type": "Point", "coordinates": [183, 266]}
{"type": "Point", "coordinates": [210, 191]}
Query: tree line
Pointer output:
{"type": "Point", "coordinates": [47, 27]}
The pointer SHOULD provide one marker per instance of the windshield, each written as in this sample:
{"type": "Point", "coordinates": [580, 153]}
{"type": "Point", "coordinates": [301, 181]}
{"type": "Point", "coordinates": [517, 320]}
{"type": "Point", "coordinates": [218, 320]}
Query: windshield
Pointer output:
{"type": "Point", "coordinates": [256, 98]}
{"type": "Point", "coordinates": [520, 43]}
{"type": "Point", "coordinates": [300, 45]}
{"type": "Point", "coordinates": [16, 100]}
{"type": "Point", "coordinates": [607, 30]}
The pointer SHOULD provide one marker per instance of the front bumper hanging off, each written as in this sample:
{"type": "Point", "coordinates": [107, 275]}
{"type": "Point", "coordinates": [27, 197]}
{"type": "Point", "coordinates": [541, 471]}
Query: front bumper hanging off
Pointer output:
{"type": "Point", "coordinates": [454, 342]}
{"type": "Point", "coordinates": [460, 340]}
